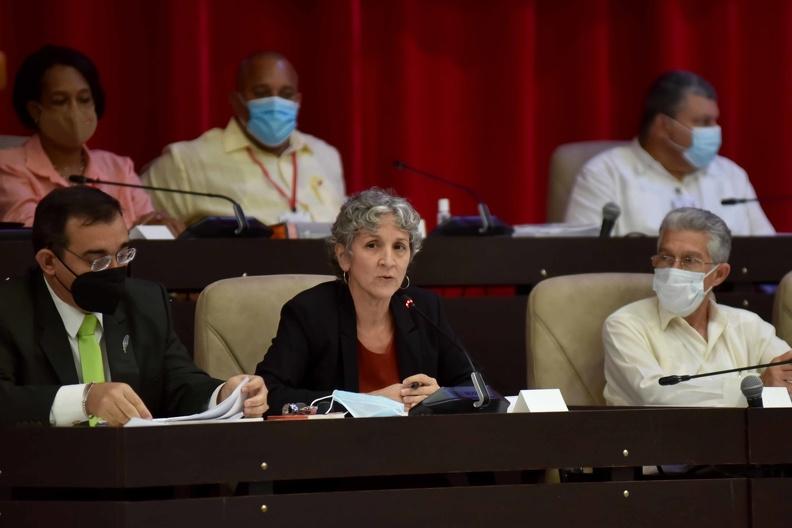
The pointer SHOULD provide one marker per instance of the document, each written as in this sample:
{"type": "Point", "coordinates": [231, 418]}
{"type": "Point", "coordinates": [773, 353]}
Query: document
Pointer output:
{"type": "Point", "coordinates": [228, 410]}
{"type": "Point", "coordinates": [556, 230]}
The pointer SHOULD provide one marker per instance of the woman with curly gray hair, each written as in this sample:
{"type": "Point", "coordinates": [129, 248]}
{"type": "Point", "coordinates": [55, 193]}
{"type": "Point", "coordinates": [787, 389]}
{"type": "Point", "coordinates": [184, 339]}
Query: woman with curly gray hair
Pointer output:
{"type": "Point", "coordinates": [355, 333]}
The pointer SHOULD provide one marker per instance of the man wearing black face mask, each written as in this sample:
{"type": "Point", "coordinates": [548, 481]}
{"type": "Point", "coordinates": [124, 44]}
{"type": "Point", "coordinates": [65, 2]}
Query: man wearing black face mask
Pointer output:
{"type": "Point", "coordinates": [79, 341]}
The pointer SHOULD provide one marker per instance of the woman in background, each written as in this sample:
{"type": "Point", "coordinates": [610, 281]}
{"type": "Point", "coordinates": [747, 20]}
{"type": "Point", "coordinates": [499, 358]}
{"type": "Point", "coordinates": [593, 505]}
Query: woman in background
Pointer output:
{"type": "Point", "coordinates": [57, 94]}
{"type": "Point", "coordinates": [355, 334]}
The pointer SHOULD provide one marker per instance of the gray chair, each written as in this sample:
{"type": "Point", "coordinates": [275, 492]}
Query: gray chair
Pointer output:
{"type": "Point", "coordinates": [236, 319]}
{"type": "Point", "coordinates": [782, 309]}
{"type": "Point", "coordinates": [564, 330]}
{"type": "Point", "coordinates": [565, 163]}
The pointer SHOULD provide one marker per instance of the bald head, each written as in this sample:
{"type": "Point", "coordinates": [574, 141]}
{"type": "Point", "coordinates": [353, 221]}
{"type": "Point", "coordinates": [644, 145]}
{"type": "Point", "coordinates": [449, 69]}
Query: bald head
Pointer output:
{"type": "Point", "coordinates": [265, 74]}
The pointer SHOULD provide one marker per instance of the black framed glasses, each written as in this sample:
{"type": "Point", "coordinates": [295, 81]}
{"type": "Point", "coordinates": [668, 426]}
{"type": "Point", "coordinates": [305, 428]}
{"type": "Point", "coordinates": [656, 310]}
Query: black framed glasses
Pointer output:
{"type": "Point", "coordinates": [123, 257]}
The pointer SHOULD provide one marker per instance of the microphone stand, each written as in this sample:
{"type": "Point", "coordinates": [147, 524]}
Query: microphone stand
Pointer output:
{"type": "Point", "coordinates": [674, 379]}
{"type": "Point", "coordinates": [242, 223]}
{"type": "Point", "coordinates": [488, 225]}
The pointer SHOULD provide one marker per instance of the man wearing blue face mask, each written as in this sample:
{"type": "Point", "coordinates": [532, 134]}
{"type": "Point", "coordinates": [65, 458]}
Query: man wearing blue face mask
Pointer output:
{"type": "Point", "coordinates": [682, 330]}
{"type": "Point", "coordinates": [673, 163]}
{"type": "Point", "coordinates": [260, 159]}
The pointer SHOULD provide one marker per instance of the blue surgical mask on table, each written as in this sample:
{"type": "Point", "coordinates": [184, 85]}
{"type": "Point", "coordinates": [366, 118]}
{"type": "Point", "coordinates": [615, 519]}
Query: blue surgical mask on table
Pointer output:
{"type": "Point", "coordinates": [272, 119]}
{"type": "Point", "coordinates": [367, 405]}
{"type": "Point", "coordinates": [680, 291]}
{"type": "Point", "coordinates": [706, 142]}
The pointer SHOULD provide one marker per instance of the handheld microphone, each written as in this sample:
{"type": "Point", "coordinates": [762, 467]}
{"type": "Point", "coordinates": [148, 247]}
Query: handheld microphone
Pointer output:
{"type": "Point", "coordinates": [673, 380]}
{"type": "Point", "coordinates": [242, 223]}
{"type": "Point", "coordinates": [610, 212]}
{"type": "Point", "coordinates": [452, 399]}
{"type": "Point", "coordinates": [737, 201]}
{"type": "Point", "coordinates": [751, 387]}
{"type": "Point", "coordinates": [487, 224]}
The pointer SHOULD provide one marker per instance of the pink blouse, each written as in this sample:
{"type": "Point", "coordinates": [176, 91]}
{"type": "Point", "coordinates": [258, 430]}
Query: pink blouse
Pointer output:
{"type": "Point", "coordinates": [27, 175]}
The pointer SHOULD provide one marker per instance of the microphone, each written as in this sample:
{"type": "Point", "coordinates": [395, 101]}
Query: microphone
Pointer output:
{"type": "Point", "coordinates": [242, 223]}
{"type": "Point", "coordinates": [673, 380]}
{"type": "Point", "coordinates": [751, 387]}
{"type": "Point", "coordinates": [453, 399]}
{"type": "Point", "coordinates": [610, 212]}
{"type": "Point", "coordinates": [737, 201]}
{"type": "Point", "coordinates": [485, 224]}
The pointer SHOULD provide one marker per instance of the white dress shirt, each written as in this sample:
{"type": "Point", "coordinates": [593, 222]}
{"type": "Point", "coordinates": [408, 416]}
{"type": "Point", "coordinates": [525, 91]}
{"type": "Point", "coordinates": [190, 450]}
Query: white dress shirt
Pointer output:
{"type": "Point", "coordinates": [645, 191]}
{"type": "Point", "coordinates": [643, 343]}
{"type": "Point", "coordinates": [67, 408]}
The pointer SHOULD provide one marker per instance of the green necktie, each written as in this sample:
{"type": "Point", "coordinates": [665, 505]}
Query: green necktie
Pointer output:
{"type": "Point", "coordinates": [90, 355]}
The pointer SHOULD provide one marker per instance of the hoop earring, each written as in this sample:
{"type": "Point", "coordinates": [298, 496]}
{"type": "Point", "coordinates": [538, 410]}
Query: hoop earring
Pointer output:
{"type": "Point", "coordinates": [408, 283]}
{"type": "Point", "coordinates": [345, 277]}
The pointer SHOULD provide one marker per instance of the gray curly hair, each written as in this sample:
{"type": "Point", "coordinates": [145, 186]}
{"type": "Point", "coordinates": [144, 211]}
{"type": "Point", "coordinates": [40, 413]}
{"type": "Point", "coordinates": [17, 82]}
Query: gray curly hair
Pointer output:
{"type": "Point", "coordinates": [362, 212]}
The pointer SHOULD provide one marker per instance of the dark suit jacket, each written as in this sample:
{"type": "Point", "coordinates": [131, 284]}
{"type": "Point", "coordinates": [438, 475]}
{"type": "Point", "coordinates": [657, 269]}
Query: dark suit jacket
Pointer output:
{"type": "Point", "coordinates": [36, 360]}
{"type": "Point", "coordinates": [315, 349]}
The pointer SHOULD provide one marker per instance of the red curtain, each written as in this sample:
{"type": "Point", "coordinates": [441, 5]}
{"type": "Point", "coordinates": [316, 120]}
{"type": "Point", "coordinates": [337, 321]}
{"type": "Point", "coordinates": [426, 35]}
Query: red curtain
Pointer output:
{"type": "Point", "coordinates": [478, 92]}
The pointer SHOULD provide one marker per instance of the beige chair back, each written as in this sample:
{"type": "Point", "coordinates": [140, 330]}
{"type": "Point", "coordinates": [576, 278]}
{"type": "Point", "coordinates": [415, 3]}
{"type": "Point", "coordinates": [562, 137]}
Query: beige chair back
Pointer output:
{"type": "Point", "coordinates": [11, 141]}
{"type": "Point", "coordinates": [236, 319]}
{"type": "Point", "coordinates": [782, 309]}
{"type": "Point", "coordinates": [566, 162]}
{"type": "Point", "coordinates": [564, 330]}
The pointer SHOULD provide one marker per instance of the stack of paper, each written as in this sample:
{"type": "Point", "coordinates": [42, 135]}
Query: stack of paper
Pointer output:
{"type": "Point", "coordinates": [230, 409]}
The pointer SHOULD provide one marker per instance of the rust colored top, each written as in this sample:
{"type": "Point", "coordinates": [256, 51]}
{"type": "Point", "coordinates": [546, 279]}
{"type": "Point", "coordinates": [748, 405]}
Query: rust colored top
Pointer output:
{"type": "Point", "coordinates": [376, 371]}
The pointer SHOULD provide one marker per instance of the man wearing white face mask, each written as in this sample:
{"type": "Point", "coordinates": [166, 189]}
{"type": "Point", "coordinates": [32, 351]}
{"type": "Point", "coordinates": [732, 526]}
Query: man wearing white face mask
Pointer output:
{"type": "Point", "coordinates": [260, 159]}
{"type": "Point", "coordinates": [672, 163]}
{"type": "Point", "coordinates": [683, 330]}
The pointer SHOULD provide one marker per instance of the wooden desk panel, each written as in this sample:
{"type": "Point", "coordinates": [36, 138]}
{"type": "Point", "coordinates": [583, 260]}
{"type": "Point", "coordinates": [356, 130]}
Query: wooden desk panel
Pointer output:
{"type": "Point", "coordinates": [721, 503]}
{"type": "Point", "coordinates": [216, 453]}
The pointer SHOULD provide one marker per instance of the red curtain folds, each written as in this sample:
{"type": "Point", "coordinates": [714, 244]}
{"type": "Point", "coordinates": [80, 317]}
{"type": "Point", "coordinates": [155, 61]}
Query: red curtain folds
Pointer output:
{"type": "Point", "coordinates": [478, 92]}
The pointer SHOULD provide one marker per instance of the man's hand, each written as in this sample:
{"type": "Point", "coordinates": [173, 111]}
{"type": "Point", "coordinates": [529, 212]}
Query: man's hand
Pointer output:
{"type": "Point", "coordinates": [416, 389]}
{"type": "Point", "coordinates": [115, 403]}
{"type": "Point", "coordinates": [254, 394]}
{"type": "Point", "coordinates": [780, 376]}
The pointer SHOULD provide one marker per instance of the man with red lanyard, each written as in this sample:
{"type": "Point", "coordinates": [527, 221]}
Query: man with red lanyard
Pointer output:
{"type": "Point", "coordinates": [260, 159]}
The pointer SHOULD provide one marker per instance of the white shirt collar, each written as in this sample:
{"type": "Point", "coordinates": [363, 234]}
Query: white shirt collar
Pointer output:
{"type": "Point", "coordinates": [646, 163]}
{"type": "Point", "coordinates": [71, 316]}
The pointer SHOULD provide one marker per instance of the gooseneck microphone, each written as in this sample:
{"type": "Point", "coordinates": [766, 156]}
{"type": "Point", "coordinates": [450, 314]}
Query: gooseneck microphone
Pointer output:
{"type": "Point", "coordinates": [751, 387]}
{"type": "Point", "coordinates": [610, 213]}
{"type": "Point", "coordinates": [738, 201]}
{"type": "Point", "coordinates": [673, 380]}
{"type": "Point", "coordinates": [478, 380]}
{"type": "Point", "coordinates": [489, 225]}
{"type": "Point", "coordinates": [242, 223]}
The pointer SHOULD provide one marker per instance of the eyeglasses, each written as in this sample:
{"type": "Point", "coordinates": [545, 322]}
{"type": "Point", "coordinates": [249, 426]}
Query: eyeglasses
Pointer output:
{"type": "Point", "coordinates": [123, 257]}
{"type": "Point", "coordinates": [686, 263]}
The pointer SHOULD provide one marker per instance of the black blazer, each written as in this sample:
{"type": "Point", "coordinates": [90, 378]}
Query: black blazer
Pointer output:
{"type": "Point", "coordinates": [315, 349]}
{"type": "Point", "coordinates": [36, 360]}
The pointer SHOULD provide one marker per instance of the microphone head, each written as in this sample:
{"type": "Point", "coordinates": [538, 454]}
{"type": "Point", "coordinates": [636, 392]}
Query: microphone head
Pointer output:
{"type": "Point", "coordinates": [398, 164]}
{"type": "Point", "coordinates": [751, 387]}
{"type": "Point", "coordinates": [611, 211]}
{"type": "Point", "coordinates": [78, 178]}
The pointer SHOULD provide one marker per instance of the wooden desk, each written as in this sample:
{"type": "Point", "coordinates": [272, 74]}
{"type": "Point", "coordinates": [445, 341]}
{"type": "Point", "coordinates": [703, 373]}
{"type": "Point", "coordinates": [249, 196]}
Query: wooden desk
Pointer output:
{"type": "Point", "coordinates": [345, 463]}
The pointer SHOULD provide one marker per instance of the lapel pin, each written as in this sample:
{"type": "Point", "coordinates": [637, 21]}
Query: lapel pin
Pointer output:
{"type": "Point", "coordinates": [125, 343]}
